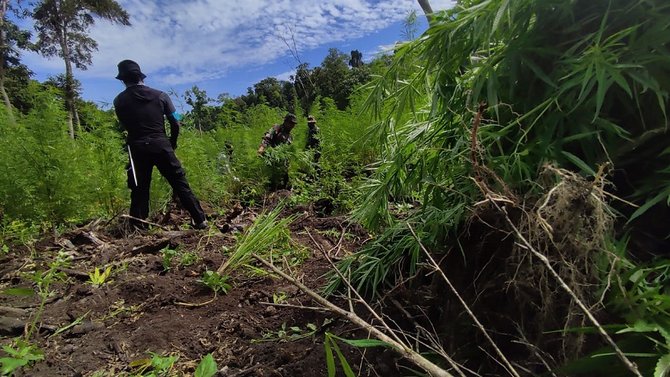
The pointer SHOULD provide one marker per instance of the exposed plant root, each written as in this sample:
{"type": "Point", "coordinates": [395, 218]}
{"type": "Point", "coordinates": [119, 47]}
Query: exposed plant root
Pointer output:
{"type": "Point", "coordinates": [571, 222]}
{"type": "Point", "coordinates": [196, 305]}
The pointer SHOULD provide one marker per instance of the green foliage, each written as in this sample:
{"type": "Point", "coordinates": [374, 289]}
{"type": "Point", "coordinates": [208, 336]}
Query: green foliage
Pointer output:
{"type": "Point", "coordinates": [576, 84]}
{"type": "Point", "coordinates": [45, 177]}
{"type": "Point", "coordinates": [264, 237]}
{"type": "Point", "coordinates": [156, 366]}
{"type": "Point", "coordinates": [200, 154]}
{"type": "Point", "coordinates": [201, 116]}
{"type": "Point", "coordinates": [18, 355]}
{"type": "Point", "coordinates": [332, 349]}
{"type": "Point", "coordinates": [168, 255]}
{"type": "Point", "coordinates": [279, 297]}
{"type": "Point", "coordinates": [207, 367]}
{"type": "Point", "coordinates": [43, 281]}
{"type": "Point", "coordinates": [17, 232]}
{"type": "Point", "coordinates": [215, 281]}
{"type": "Point", "coordinates": [97, 278]}
{"type": "Point", "coordinates": [642, 301]}
{"type": "Point", "coordinates": [288, 333]}
{"type": "Point", "coordinates": [184, 258]}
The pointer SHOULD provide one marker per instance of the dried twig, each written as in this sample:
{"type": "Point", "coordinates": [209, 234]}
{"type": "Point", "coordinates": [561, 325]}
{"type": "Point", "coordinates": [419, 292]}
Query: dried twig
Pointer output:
{"type": "Point", "coordinates": [401, 348]}
{"type": "Point", "coordinates": [144, 221]}
{"type": "Point", "coordinates": [352, 289]}
{"type": "Point", "coordinates": [313, 308]}
{"type": "Point", "coordinates": [196, 305]}
{"type": "Point", "coordinates": [437, 268]}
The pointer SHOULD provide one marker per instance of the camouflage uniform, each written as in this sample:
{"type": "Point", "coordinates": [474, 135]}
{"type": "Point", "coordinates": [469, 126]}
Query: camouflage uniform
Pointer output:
{"type": "Point", "coordinates": [278, 135]}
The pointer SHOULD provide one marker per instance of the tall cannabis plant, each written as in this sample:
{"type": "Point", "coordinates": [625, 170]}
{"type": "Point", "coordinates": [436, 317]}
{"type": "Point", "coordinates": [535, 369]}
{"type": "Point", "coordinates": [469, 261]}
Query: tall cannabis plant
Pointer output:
{"type": "Point", "coordinates": [493, 92]}
{"type": "Point", "coordinates": [578, 84]}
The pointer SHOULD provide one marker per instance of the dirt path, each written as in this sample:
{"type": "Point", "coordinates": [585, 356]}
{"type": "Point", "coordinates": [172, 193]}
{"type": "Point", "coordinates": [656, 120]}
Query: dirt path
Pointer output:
{"type": "Point", "coordinates": [146, 308]}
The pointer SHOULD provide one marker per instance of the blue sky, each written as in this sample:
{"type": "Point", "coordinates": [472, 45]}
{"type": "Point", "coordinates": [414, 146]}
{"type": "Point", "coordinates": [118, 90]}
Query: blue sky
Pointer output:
{"type": "Point", "coordinates": [225, 47]}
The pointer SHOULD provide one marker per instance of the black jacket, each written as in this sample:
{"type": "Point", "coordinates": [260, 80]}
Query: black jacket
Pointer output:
{"type": "Point", "coordinates": [142, 111]}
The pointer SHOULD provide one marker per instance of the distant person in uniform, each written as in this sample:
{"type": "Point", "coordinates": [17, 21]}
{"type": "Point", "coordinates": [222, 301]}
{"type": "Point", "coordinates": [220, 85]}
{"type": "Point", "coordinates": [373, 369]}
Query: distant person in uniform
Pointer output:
{"type": "Point", "coordinates": [141, 111]}
{"type": "Point", "coordinates": [277, 135]}
{"type": "Point", "coordinates": [313, 138]}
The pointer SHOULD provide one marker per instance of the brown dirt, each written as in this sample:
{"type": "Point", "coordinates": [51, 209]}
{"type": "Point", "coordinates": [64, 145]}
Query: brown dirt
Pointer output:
{"type": "Point", "coordinates": [142, 309]}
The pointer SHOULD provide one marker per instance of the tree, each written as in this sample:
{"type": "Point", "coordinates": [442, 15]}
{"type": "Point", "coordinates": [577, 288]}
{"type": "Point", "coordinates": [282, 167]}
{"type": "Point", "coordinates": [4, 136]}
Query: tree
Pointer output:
{"type": "Point", "coordinates": [409, 26]}
{"type": "Point", "coordinates": [356, 59]}
{"type": "Point", "coordinates": [304, 86]}
{"type": "Point", "coordinates": [331, 78]}
{"type": "Point", "coordinates": [62, 27]}
{"type": "Point", "coordinates": [269, 90]}
{"type": "Point", "coordinates": [198, 100]}
{"type": "Point", "coordinates": [11, 38]}
{"type": "Point", "coordinates": [290, 96]}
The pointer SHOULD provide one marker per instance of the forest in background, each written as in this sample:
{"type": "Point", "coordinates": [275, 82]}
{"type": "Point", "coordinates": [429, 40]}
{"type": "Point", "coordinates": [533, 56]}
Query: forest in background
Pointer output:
{"type": "Point", "coordinates": [511, 165]}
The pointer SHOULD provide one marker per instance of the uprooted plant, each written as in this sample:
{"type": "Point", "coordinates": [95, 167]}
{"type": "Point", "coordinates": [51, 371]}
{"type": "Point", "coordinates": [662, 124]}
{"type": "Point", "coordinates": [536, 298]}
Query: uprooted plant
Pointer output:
{"type": "Point", "coordinates": [386, 335]}
{"type": "Point", "coordinates": [265, 237]}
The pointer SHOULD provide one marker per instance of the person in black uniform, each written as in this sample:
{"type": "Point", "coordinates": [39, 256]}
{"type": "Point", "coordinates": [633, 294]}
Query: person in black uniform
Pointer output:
{"type": "Point", "coordinates": [142, 110]}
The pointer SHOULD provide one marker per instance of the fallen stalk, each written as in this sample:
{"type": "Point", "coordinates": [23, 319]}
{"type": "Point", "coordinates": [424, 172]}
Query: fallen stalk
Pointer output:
{"type": "Point", "coordinates": [144, 221]}
{"type": "Point", "coordinates": [313, 308]}
{"type": "Point", "coordinates": [352, 289]}
{"type": "Point", "coordinates": [401, 348]}
{"type": "Point", "coordinates": [472, 315]}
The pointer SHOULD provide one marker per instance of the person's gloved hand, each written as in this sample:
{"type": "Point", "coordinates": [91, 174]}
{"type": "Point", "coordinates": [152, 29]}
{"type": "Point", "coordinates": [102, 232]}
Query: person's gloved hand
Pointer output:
{"type": "Point", "coordinates": [173, 142]}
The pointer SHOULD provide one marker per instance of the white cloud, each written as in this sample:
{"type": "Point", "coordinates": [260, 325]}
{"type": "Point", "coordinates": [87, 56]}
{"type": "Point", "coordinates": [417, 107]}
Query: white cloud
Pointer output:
{"type": "Point", "coordinates": [285, 76]}
{"type": "Point", "coordinates": [178, 41]}
{"type": "Point", "coordinates": [442, 4]}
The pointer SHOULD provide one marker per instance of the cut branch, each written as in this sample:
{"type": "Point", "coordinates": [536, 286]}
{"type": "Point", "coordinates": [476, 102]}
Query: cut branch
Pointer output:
{"type": "Point", "coordinates": [401, 348]}
{"type": "Point", "coordinates": [437, 268]}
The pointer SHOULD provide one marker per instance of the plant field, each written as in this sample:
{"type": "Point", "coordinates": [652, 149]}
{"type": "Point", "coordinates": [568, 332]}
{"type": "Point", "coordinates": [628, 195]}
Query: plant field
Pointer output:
{"type": "Point", "coordinates": [490, 198]}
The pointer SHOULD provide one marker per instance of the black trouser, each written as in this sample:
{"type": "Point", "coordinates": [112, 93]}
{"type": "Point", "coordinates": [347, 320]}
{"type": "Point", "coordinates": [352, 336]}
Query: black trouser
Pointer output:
{"type": "Point", "coordinates": [158, 152]}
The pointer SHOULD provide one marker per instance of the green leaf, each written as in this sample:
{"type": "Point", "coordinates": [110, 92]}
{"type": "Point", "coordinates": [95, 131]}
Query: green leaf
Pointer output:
{"type": "Point", "coordinates": [648, 204]}
{"type": "Point", "coordinates": [579, 162]}
{"type": "Point", "coordinates": [365, 343]}
{"type": "Point", "coordinates": [18, 291]}
{"type": "Point", "coordinates": [207, 367]}
{"type": "Point", "coordinates": [9, 365]}
{"type": "Point", "coordinates": [499, 14]}
{"type": "Point", "coordinates": [330, 359]}
{"type": "Point", "coordinates": [662, 366]}
{"type": "Point", "coordinates": [538, 72]}
{"type": "Point", "coordinates": [343, 361]}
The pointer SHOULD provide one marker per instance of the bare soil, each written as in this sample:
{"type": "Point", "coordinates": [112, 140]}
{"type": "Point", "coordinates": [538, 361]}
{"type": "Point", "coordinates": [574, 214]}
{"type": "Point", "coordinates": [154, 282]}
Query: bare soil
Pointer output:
{"type": "Point", "coordinates": [145, 309]}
